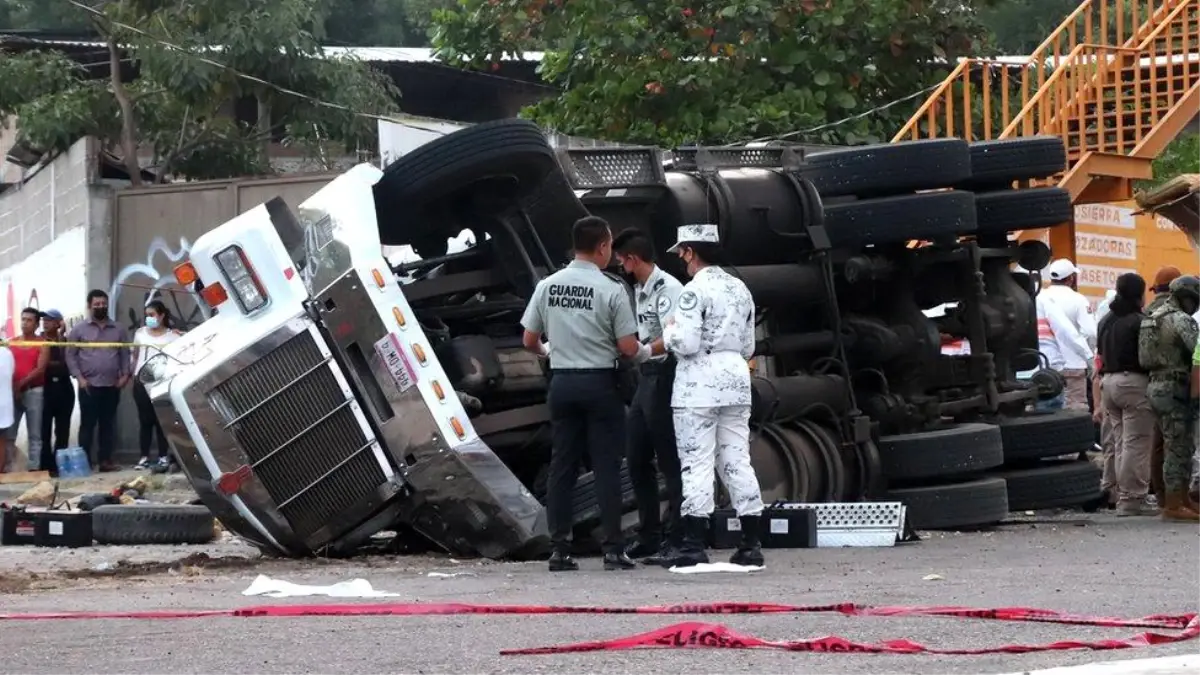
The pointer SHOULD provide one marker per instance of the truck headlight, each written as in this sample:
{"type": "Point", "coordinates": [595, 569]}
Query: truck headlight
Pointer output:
{"type": "Point", "coordinates": [246, 286]}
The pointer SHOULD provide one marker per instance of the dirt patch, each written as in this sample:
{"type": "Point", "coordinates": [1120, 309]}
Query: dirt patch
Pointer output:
{"type": "Point", "coordinates": [189, 565]}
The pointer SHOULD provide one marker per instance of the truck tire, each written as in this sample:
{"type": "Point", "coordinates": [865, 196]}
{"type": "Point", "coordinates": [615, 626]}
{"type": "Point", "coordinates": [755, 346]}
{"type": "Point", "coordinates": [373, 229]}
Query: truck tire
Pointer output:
{"type": "Point", "coordinates": [972, 504]}
{"type": "Point", "coordinates": [892, 220]}
{"type": "Point", "coordinates": [446, 166]}
{"type": "Point", "coordinates": [1040, 434]}
{"type": "Point", "coordinates": [137, 524]}
{"type": "Point", "coordinates": [1052, 485]}
{"type": "Point", "coordinates": [583, 500]}
{"type": "Point", "coordinates": [957, 451]}
{"type": "Point", "coordinates": [889, 168]}
{"type": "Point", "coordinates": [552, 210]}
{"type": "Point", "coordinates": [1000, 163]}
{"type": "Point", "coordinates": [1011, 210]}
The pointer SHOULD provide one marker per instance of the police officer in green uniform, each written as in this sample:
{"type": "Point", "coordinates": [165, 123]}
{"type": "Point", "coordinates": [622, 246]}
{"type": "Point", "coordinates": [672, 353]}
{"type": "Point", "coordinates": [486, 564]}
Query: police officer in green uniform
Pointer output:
{"type": "Point", "coordinates": [588, 319]}
{"type": "Point", "coordinates": [651, 425]}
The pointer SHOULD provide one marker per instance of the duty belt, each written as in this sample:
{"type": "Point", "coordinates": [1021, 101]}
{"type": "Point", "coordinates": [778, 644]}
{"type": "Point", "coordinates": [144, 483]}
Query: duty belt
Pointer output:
{"type": "Point", "coordinates": [656, 367]}
{"type": "Point", "coordinates": [1172, 373]}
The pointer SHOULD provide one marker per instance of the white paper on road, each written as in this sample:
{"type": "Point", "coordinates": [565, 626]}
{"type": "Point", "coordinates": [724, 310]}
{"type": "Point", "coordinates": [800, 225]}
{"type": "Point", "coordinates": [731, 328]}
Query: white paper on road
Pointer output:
{"type": "Point", "coordinates": [278, 588]}
{"type": "Point", "coordinates": [709, 568]}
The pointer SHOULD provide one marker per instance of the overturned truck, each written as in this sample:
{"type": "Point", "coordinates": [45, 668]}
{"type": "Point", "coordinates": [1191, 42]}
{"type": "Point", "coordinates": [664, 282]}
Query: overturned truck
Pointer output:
{"type": "Point", "coordinates": [333, 396]}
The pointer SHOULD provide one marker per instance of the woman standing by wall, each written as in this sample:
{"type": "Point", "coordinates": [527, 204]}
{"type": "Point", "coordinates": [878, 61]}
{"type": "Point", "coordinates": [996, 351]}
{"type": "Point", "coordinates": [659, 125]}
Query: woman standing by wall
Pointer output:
{"type": "Point", "coordinates": [157, 333]}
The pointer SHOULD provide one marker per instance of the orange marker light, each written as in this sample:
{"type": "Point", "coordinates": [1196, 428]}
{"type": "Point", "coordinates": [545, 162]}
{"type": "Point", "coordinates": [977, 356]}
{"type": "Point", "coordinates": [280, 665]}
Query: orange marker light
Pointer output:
{"type": "Point", "coordinates": [458, 428]}
{"type": "Point", "coordinates": [419, 352]}
{"type": "Point", "coordinates": [378, 278]}
{"type": "Point", "coordinates": [399, 316]}
{"type": "Point", "coordinates": [438, 392]}
{"type": "Point", "coordinates": [214, 294]}
{"type": "Point", "coordinates": [185, 274]}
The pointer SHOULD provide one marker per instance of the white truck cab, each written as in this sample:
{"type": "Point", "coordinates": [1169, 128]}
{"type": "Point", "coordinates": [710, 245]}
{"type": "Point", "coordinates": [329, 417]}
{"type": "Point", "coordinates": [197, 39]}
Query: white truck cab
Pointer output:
{"type": "Point", "coordinates": [310, 411]}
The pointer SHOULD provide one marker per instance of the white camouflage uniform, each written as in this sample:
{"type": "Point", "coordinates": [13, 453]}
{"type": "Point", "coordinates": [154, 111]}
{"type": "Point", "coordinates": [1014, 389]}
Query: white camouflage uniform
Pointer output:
{"type": "Point", "coordinates": [712, 336]}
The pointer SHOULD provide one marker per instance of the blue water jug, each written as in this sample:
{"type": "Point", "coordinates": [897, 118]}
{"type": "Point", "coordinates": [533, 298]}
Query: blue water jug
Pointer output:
{"type": "Point", "coordinates": [62, 459]}
{"type": "Point", "coordinates": [80, 466]}
{"type": "Point", "coordinates": [72, 463]}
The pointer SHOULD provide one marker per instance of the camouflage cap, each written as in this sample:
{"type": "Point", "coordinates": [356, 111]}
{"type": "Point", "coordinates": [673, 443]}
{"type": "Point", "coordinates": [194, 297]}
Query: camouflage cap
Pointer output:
{"type": "Point", "coordinates": [696, 234]}
{"type": "Point", "coordinates": [1186, 286]}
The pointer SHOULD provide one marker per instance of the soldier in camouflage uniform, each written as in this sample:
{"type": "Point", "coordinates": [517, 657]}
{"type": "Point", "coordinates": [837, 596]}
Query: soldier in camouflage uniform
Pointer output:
{"type": "Point", "coordinates": [1162, 291]}
{"type": "Point", "coordinates": [1165, 345]}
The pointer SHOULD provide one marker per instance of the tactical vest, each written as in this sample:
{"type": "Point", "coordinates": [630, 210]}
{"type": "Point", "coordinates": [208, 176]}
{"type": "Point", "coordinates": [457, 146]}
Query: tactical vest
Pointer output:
{"type": "Point", "coordinates": [1155, 351]}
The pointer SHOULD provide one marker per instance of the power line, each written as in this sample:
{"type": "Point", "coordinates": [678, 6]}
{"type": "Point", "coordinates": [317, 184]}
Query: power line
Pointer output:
{"type": "Point", "coordinates": [251, 78]}
{"type": "Point", "coordinates": [844, 120]}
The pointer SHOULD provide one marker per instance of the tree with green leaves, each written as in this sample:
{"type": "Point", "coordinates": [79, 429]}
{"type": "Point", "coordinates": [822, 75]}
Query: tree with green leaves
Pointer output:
{"type": "Point", "coordinates": [193, 62]}
{"type": "Point", "coordinates": [388, 23]}
{"type": "Point", "coordinates": [677, 71]}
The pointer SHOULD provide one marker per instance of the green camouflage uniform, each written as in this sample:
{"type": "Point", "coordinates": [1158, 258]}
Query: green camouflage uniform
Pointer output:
{"type": "Point", "coordinates": [1159, 299]}
{"type": "Point", "coordinates": [1169, 395]}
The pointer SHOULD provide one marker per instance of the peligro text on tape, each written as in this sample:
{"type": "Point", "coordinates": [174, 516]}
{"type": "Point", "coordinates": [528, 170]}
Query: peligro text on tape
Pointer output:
{"type": "Point", "coordinates": [695, 634]}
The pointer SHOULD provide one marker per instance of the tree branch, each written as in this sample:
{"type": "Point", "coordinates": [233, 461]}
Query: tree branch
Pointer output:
{"type": "Point", "coordinates": [128, 123]}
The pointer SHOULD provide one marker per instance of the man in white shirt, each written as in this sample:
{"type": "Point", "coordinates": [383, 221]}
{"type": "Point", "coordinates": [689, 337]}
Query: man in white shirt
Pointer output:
{"type": "Point", "coordinates": [6, 401]}
{"type": "Point", "coordinates": [1067, 332]}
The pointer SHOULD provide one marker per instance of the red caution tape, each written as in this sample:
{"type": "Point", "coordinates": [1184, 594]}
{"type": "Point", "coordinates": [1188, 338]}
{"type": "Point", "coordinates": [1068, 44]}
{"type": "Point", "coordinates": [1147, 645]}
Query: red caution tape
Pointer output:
{"type": "Point", "coordinates": [694, 634]}
{"type": "Point", "coordinates": [715, 636]}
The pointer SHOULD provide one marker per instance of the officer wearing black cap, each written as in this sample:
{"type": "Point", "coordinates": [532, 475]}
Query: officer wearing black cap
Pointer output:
{"type": "Point", "coordinates": [589, 321]}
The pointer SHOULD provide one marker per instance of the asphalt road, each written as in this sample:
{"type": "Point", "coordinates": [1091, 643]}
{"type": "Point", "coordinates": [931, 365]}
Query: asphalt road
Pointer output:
{"type": "Point", "coordinates": [1098, 565]}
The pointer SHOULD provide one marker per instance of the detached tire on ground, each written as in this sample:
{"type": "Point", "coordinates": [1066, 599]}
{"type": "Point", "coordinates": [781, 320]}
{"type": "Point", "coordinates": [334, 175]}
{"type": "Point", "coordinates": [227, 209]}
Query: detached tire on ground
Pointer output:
{"type": "Point", "coordinates": [1038, 435]}
{"type": "Point", "coordinates": [137, 524]}
{"type": "Point", "coordinates": [1000, 163]}
{"type": "Point", "coordinates": [959, 450]}
{"type": "Point", "coordinates": [1052, 485]}
{"type": "Point", "coordinates": [1010, 210]}
{"type": "Point", "coordinates": [975, 503]}
{"type": "Point", "coordinates": [893, 220]}
{"type": "Point", "coordinates": [447, 167]}
{"type": "Point", "coordinates": [889, 168]}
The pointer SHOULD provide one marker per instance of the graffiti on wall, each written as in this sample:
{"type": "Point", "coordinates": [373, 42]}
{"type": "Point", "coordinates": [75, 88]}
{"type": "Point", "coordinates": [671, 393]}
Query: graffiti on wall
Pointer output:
{"type": "Point", "coordinates": [141, 283]}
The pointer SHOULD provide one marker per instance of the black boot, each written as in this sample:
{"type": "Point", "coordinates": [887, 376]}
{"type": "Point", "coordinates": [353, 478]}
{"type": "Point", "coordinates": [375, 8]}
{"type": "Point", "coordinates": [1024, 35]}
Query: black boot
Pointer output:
{"type": "Point", "coordinates": [669, 548]}
{"type": "Point", "coordinates": [691, 549]}
{"type": "Point", "coordinates": [562, 562]}
{"type": "Point", "coordinates": [749, 550]}
{"type": "Point", "coordinates": [643, 546]}
{"type": "Point", "coordinates": [617, 560]}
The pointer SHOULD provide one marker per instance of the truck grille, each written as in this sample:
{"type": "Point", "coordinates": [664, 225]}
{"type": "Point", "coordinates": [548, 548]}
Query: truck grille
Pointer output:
{"type": "Point", "coordinates": [297, 428]}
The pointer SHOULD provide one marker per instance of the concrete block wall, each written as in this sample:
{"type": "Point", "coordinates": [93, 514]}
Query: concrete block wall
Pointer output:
{"type": "Point", "coordinates": [49, 252]}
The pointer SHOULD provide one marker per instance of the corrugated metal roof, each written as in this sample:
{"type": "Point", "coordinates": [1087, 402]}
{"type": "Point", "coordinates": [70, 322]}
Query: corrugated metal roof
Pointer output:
{"type": "Point", "coordinates": [374, 54]}
{"type": "Point", "coordinates": [382, 54]}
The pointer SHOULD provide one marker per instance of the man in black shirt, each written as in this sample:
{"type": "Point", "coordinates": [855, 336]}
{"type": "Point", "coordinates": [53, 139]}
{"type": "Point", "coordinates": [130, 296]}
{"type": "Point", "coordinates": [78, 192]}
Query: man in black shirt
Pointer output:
{"type": "Point", "coordinates": [1123, 397]}
{"type": "Point", "coordinates": [59, 395]}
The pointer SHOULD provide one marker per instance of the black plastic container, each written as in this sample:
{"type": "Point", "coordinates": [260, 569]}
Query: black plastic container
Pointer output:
{"type": "Point", "coordinates": [781, 528]}
{"type": "Point", "coordinates": [16, 526]}
{"type": "Point", "coordinates": [62, 529]}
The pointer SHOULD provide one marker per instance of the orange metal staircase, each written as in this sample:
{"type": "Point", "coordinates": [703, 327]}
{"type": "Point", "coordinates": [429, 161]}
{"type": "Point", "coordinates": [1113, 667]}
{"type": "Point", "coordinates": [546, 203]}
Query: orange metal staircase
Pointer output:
{"type": "Point", "coordinates": [1117, 81]}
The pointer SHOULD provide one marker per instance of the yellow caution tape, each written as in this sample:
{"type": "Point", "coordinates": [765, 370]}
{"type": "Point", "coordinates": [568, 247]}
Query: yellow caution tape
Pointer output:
{"type": "Point", "coordinates": [80, 345]}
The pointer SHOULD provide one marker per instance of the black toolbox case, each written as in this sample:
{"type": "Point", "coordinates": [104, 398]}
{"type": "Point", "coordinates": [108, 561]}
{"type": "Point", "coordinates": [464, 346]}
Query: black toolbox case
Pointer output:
{"type": "Point", "coordinates": [23, 526]}
{"type": "Point", "coordinates": [16, 526]}
{"type": "Point", "coordinates": [62, 529]}
{"type": "Point", "coordinates": [781, 528]}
